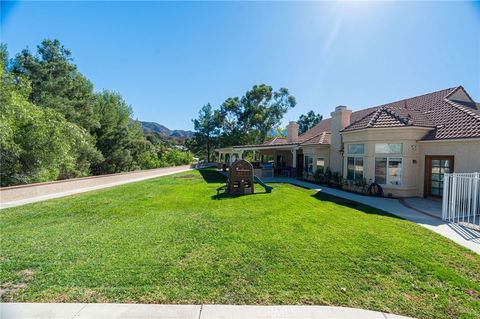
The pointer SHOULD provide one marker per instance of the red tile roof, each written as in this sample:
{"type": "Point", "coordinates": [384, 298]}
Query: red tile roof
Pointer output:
{"type": "Point", "coordinates": [448, 119]}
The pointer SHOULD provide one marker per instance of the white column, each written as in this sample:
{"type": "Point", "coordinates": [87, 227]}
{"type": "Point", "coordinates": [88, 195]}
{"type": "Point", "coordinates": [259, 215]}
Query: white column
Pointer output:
{"type": "Point", "coordinates": [240, 154]}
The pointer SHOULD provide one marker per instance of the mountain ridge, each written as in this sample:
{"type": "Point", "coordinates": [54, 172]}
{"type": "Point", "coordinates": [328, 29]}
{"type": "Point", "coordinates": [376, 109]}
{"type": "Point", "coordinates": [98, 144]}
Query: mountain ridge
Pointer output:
{"type": "Point", "coordinates": [164, 132]}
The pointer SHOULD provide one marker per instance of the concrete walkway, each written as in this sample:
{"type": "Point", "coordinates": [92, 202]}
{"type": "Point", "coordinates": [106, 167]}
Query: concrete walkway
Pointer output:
{"type": "Point", "coordinates": [461, 235]}
{"type": "Point", "coordinates": [25, 194]}
{"type": "Point", "coordinates": [150, 311]}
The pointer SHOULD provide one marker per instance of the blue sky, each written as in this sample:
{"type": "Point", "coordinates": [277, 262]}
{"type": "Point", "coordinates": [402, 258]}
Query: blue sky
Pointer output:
{"type": "Point", "coordinates": [168, 59]}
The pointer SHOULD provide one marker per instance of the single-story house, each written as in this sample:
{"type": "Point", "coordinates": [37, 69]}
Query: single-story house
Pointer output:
{"type": "Point", "coordinates": [405, 146]}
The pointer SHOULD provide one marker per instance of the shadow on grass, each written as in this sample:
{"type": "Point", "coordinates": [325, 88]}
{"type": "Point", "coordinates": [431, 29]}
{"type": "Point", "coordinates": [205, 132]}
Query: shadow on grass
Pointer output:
{"type": "Point", "coordinates": [352, 204]}
{"type": "Point", "coordinates": [211, 175]}
{"type": "Point", "coordinates": [223, 195]}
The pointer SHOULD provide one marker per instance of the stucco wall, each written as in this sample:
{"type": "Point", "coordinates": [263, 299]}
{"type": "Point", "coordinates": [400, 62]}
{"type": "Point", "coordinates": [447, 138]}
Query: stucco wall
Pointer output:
{"type": "Point", "coordinates": [466, 156]}
{"type": "Point", "coordinates": [410, 155]}
{"type": "Point", "coordinates": [316, 152]}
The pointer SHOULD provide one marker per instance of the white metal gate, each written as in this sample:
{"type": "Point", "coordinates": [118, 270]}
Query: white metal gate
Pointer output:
{"type": "Point", "coordinates": [461, 198]}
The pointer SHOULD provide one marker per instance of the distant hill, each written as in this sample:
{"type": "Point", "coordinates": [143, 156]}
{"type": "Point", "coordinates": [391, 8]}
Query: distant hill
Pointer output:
{"type": "Point", "coordinates": [164, 132]}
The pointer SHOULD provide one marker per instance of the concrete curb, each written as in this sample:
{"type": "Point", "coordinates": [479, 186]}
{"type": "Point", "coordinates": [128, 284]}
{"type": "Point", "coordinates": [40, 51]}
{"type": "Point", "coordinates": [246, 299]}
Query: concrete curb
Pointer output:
{"type": "Point", "coordinates": [154, 311]}
{"type": "Point", "coordinates": [21, 195]}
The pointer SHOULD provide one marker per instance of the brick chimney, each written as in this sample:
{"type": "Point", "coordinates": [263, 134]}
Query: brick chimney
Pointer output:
{"type": "Point", "coordinates": [292, 132]}
{"type": "Point", "coordinates": [340, 120]}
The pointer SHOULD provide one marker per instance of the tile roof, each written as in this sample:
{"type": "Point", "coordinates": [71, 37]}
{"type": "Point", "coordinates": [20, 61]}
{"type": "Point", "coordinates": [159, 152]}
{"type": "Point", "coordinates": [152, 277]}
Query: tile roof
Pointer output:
{"type": "Point", "coordinates": [276, 141]}
{"type": "Point", "coordinates": [448, 119]}
{"type": "Point", "coordinates": [321, 139]}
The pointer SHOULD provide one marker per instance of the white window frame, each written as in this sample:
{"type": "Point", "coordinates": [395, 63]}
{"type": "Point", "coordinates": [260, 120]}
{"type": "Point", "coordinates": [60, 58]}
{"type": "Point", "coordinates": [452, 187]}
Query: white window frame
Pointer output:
{"type": "Point", "coordinates": [354, 154]}
{"type": "Point", "coordinates": [388, 146]}
{"type": "Point", "coordinates": [387, 179]}
{"type": "Point", "coordinates": [316, 163]}
{"type": "Point", "coordinates": [354, 164]}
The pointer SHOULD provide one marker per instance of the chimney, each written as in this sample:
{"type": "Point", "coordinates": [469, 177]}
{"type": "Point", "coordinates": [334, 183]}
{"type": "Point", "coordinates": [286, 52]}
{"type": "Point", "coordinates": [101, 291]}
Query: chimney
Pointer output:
{"type": "Point", "coordinates": [340, 120]}
{"type": "Point", "coordinates": [292, 132]}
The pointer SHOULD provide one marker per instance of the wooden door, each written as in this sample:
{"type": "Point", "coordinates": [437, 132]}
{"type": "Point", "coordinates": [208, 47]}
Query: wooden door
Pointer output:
{"type": "Point", "coordinates": [435, 167]}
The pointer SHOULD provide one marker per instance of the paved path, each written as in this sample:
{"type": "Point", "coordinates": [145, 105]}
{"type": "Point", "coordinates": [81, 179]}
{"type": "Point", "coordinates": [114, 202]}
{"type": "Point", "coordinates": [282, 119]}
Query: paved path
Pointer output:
{"type": "Point", "coordinates": [461, 235]}
{"type": "Point", "coordinates": [25, 194]}
{"type": "Point", "coordinates": [150, 311]}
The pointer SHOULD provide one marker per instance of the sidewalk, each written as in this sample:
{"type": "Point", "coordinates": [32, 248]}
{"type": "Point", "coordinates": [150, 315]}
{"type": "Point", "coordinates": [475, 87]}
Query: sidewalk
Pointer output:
{"type": "Point", "coordinates": [461, 235]}
{"type": "Point", "coordinates": [150, 311]}
{"type": "Point", "coordinates": [25, 194]}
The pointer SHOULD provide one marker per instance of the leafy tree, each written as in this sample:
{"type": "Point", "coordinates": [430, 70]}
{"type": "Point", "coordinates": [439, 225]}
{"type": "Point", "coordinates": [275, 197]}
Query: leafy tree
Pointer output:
{"type": "Point", "coordinates": [307, 121]}
{"type": "Point", "coordinates": [56, 83]}
{"type": "Point", "coordinates": [38, 144]}
{"type": "Point", "coordinates": [116, 134]}
{"type": "Point", "coordinates": [206, 129]}
{"type": "Point", "coordinates": [177, 157]}
{"type": "Point", "coordinates": [247, 120]}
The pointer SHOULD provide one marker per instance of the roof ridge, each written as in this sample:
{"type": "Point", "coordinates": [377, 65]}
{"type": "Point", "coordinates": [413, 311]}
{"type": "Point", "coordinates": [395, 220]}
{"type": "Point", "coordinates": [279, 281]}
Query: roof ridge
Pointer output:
{"type": "Point", "coordinates": [322, 137]}
{"type": "Point", "coordinates": [363, 117]}
{"type": "Point", "coordinates": [405, 121]}
{"type": "Point", "coordinates": [420, 95]}
{"type": "Point", "coordinates": [374, 117]}
{"type": "Point", "coordinates": [463, 109]}
{"type": "Point", "coordinates": [311, 138]}
{"type": "Point", "coordinates": [456, 89]}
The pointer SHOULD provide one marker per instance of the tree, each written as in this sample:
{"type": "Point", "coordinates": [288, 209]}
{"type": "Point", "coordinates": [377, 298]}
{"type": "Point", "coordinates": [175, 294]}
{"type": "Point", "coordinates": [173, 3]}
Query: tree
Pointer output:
{"type": "Point", "coordinates": [307, 121]}
{"type": "Point", "coordinates": [38, 144]}
{"type": "Point", "coordinates": [247, 120]}
{"type": "Point", "coordinates": [206, 129]}
{"type": "Point", "coordinates": [56, 83]}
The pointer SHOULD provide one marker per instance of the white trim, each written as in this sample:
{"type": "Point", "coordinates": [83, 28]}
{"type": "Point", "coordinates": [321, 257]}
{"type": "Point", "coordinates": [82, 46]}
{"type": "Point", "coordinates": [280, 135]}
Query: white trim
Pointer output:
{"type": "Point", "coordinates": [421, 128]}
{"type": "Point", "coordinates": [266, 147]}
{"type": "Point", "coordinates": [474, 139]}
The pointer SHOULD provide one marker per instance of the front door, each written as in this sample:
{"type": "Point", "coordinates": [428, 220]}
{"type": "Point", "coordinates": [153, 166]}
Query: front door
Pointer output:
{"type": "Point", "coordinates": [435, 167]}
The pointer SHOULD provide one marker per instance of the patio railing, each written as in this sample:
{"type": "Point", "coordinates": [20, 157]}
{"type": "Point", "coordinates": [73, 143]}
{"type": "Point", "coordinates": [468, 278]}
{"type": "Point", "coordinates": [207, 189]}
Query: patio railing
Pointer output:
{"type": "Point", "coordinates": [461, 198]}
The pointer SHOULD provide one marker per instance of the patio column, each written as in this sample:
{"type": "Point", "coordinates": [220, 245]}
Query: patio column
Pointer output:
{"type": "Point", "coordinates": [240, 154]}
{"type": "Point", "coordinates": [294, 159]}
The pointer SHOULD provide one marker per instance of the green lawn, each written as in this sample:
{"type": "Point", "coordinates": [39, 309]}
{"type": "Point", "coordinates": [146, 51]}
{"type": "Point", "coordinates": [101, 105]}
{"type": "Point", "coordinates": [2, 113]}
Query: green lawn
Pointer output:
{"type": "Point", "coordinates": [169, 240]}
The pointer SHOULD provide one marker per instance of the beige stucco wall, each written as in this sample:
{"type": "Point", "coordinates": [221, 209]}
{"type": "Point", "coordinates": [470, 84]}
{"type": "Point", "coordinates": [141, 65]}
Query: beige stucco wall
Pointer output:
{"type": "Point", "coordinates": [466, 156]}
{"type": "Point", "coordinates": [410, 155]}
{"type": "Point", "coordinates": [317, 152]}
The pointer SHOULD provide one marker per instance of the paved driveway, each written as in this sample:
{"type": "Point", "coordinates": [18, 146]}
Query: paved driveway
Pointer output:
{"type": "Point", "coordinates": [25, 194]}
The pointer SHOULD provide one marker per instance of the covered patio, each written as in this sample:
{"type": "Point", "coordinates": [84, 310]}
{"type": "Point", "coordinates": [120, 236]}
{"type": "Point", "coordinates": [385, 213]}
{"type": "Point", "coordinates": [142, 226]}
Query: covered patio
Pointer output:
{"type": "Point", "coordinates": [267, 160]}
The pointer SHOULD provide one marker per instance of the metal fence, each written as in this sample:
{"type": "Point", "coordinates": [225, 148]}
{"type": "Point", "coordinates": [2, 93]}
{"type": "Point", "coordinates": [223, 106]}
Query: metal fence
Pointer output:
{"type": "Point", "coordinates": [461, 198]}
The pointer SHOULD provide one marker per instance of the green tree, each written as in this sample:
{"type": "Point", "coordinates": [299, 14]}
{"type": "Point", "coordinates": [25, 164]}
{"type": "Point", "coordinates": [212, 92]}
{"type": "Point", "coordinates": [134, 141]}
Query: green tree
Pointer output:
{"type": "Point", "coordinates": [206, 129]}
{"type": "Point", "coordinates": [119, 138]}
{"type": "Point", "coordinates": [56, 83]}
{"type": "Point", "coordinates": [307, 121]}
{"type": "Point", "coordinates": [247, 120]}
{"type": "Point", "coordinates": [113, 133]}
{"type": "Point", "coordinates": [38, 144]}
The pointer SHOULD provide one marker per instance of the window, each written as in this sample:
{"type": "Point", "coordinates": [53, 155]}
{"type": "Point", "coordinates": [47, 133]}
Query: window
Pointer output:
{"type": "Point", "coordinates": [308, 167]}
{"type": "Point", "coordinates": [354, 168]}
{"type": "Point", "coordinates": [321, 164]}
{"type": "Point", "coordinates": [388, 170]}
{"type": "Point", "coordinates": [356, 148]}
{"type": "Point", "coordinates": [385, 148]}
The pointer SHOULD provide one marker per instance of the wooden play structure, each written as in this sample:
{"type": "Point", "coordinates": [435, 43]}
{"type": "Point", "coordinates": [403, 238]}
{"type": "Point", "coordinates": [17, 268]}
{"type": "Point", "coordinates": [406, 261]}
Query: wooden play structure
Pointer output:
{"type": "Point", "coordinates": [241, 179]}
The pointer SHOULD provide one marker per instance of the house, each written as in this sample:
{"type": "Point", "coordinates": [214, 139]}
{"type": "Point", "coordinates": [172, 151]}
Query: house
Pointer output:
{"type": "Point", "coordinates": [405, 146]}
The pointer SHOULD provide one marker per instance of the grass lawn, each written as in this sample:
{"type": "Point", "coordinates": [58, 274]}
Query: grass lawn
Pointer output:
{"type": "Point", "coordinates": [169, 240]}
